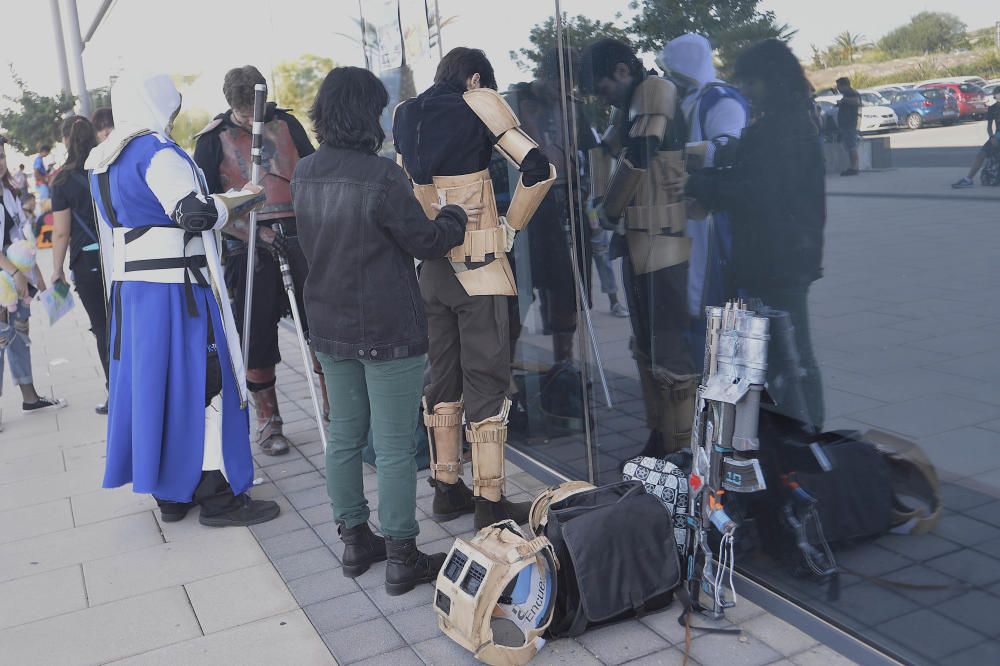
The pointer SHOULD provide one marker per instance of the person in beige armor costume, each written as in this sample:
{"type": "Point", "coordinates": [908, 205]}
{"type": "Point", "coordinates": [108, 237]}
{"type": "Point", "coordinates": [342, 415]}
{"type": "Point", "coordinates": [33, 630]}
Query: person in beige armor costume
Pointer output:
{"type": "Point", "coordinates": [638, 176]}
{"type": "Point", "coordinates": [444, 139]}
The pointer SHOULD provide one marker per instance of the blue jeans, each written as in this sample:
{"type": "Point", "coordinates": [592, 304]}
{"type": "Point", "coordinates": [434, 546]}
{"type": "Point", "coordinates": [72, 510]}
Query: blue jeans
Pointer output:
{"type": "Point", "coordinates": [601, 242]}
{"type": "Point", "coordinates": [14, 345]}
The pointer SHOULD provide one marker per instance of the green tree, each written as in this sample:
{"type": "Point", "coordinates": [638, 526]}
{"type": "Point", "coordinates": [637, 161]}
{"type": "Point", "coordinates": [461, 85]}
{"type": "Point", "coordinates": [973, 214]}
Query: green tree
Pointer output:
{"type": "Point", "coordinates": [579, 30]}
{"type": "Point", "coordinates": [188, 123]}
{"type": "Point", "coordinates": [848, 44]}
{"type": "Point", "coordinates": [296, 82]}
{"type": "Point", "coordinates": [927, 32]}
{"type": "Point", "coordinates": [731, 25]}
{"type": "Point", "coordinates": [33, 119]}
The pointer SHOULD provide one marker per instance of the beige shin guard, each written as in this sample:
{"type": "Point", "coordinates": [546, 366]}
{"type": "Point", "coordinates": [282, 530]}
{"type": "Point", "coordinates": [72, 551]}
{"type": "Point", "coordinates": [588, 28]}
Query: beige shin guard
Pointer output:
{"type": "Point", "coordinates": [488, 438]}
{"type": "Point", "coordinates": [669, 401]}
{"type": "Point", "coordinates": [444, 430]}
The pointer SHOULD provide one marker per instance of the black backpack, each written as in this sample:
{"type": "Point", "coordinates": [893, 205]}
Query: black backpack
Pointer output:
{"type": "Point", "coordinates": [617, 557]}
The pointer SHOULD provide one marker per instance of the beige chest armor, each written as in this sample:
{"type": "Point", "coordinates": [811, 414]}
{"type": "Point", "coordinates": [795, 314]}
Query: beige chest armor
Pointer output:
{"type": "Point", "coordinates": [485, 240]}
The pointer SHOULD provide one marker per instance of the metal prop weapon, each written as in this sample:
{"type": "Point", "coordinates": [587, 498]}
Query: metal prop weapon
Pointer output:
{"type": "Point", "coordinates": [259, 100]}
{"type": "Point", "coordinates": [286, 278]}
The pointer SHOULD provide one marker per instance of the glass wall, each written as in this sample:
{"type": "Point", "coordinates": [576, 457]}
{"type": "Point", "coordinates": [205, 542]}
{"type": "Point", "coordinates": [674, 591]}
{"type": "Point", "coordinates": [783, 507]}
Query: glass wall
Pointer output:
{"type": "Point", "coordinates": [879, 289]}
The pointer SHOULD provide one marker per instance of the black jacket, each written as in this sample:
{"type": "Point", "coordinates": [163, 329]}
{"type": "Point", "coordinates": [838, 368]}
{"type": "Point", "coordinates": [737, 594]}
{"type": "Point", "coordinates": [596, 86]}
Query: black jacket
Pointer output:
{"type": "Point", "coordinates": [361, 227]}
{"type": "Point", "coordinates": [775, 194]}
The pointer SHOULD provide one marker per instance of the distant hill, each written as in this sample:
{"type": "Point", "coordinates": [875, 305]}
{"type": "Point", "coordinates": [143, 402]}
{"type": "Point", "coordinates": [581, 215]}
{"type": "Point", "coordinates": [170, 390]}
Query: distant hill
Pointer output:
{"type": "Point", "coordinates": [908, 70]}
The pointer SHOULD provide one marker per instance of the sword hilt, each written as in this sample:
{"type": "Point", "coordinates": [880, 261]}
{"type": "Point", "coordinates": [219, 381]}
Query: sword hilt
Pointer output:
{"type": "Point", "coordinates": [257, 131]}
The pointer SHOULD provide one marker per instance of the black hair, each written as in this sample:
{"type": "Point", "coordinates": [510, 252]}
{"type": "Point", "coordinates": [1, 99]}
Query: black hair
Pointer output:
{"type": "Point", "coordinates": [44, 147]}
{"type": "Point", "coordinates": [347, 110]}
{"type": "Point", "coordinates": [461, 63]}
{"type": "Point", "coordinates": [80, 138]}
{"type": "Point", "coordinates": [844, 80]}
{"type": "Point", "coordinates": [103, 119]}
{"type": "Point", "coordinates": [771, 62]}
{"type": "Point", "coordinates": [238, 86]}
{"type": "Point", "coordinates": [600, 60]}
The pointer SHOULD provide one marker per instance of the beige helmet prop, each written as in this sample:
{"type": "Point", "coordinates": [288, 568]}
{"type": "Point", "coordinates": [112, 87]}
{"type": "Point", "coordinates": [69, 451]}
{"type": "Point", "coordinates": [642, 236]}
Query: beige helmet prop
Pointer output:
{"type": "Point", "coordinates": [538, 516]}
{"type": "Point", "coordinates": [495, 594]}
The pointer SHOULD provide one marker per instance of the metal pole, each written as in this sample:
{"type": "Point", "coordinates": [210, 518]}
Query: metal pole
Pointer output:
{"type": "Point", "coordinates": [60, 47]}
{"type": "Point", "coordinates": [286, 278]}
{"type": "Point", "coordinates": [259, 99]}
{"type": "Point", "coordinates": [76, 45]}
{"type": "Point", "coordinates": [96, 23]}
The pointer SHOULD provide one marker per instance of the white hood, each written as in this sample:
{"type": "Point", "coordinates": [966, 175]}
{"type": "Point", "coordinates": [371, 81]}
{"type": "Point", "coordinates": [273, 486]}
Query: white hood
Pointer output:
{"type": "Point", "coordinates": [143, 102]}
{"type": "Point", "coordinates": [689, 56]}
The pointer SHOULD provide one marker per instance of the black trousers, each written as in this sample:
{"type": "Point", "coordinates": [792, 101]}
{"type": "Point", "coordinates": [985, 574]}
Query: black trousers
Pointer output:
{"type": "Point", "coordinates": [89, 283]}
{"type": "Point", "coordinates": [214, 495]}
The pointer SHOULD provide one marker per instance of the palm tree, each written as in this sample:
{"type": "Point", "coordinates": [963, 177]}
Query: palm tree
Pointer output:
{"type": "Point", "coordinates": [848, 44]}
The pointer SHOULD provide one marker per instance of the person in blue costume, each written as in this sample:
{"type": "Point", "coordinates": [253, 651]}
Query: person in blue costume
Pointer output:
{"type": "Point", "coordinates": [177, 413]}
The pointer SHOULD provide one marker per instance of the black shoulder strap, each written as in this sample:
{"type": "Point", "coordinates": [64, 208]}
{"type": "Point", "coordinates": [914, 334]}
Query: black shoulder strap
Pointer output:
{"type": "Point", "coordinates": [104, 185]}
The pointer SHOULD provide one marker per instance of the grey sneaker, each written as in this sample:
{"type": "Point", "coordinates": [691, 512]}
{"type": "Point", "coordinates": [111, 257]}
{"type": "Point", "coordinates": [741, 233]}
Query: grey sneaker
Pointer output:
{"type": "Point", "coordinates": [963, 184]}
{"type": "Point", "coordinates": [619, 310]}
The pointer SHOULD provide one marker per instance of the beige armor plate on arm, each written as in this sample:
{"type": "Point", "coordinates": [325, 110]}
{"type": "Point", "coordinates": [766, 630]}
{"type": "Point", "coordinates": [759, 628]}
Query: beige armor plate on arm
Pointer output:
{"type": "Point", "coordinates": [653, 105]}
{"type": "Point", "coordinates": [514, 145]}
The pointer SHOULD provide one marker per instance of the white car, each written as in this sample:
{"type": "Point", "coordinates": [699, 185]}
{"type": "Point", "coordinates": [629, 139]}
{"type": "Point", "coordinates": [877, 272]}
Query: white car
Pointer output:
{"type": "Point", "coordinates": [876, 115]}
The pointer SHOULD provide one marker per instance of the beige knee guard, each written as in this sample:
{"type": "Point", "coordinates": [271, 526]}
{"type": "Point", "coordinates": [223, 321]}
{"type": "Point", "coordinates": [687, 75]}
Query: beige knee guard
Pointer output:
{"type": "Point", "coordinates": [444, 432]}
{"type": "Point", "coordinates": [488, 438]}
{"type": "Point", "coordinates": [677, 413]}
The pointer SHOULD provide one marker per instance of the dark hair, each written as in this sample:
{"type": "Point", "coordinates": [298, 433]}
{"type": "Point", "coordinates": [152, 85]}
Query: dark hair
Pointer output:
{"type": "Point", "coordinates": [347, 110]}
{"type": "Point", "coordinates": [44, 147]}
{"type": "Point", "coordinates": [461, 63]}
{"type": "Point", "coordinates": [7, 181]}
{"type": "Point", "coordinates": [238, 86]}
{"type": "Point", "coordinates": [844, 80]}
{"type": "Point", "coordinates": [103, 119]}
{"type": "Point", "coordinates": [600, 60]}
{"type": "Point", "coordinates": [773, 63]}
{"type": "Point", "coordinates": [80, 138]}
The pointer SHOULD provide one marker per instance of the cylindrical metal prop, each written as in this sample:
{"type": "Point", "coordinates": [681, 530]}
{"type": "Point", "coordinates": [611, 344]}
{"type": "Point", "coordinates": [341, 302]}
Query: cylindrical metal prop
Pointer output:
{"type": "Point", "coordinates": [259, 101]}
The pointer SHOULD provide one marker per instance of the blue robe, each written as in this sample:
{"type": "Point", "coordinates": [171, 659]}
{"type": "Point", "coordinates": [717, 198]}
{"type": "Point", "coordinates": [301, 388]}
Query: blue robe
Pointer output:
{"type": "Point", "coordinates": [156, 409]}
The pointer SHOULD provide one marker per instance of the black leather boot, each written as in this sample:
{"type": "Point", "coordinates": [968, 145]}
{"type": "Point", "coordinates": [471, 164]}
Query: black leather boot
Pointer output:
{"type": "Point", "coordinates": [488, 512]}
{"type": "Point", "coordinates": [451, 500]}
{"type": "Point", "coordinates": [172, 512]}
{"type": "Point", "coordinates": [407, 567]}
{"type": "Point", "coordinates": [248, 512]}
{"type": "Point", "coordinates": [362, 548]}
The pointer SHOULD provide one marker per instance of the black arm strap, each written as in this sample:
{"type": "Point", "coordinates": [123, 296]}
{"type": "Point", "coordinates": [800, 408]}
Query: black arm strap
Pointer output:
{"type": "Point", "coordinates": [104, 186]}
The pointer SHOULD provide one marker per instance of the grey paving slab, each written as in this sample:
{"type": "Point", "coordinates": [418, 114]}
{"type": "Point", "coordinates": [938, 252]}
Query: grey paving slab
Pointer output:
{"type": "Point", "coordinates": [964, 530]}
{"type": "Point", "coordinates": [282, 545]}
{"type": "Point", "coordinates": [103, 633]}
{"type": "Point", "coordinates": [421, 596]}
{"type": "Point", "coordinates": [288, 521]}
{"type": "Point", "coordinates": [724, 649]}
{"type": "Point", "coordinates": [778, 634]}
{"type": "Point", "coordinates": [620, 643]}
{"type": "Point", "coordinates": [317, 515]}
{"type": "Point", "coordinates": [918, 547]}
{"type": "Point", "coordinates": [404, 656]}
{"type": "Point", "coordinates": [109, 503]}
{"type": "Point", "coordinates": [301, 482]}
{"type": "Point", "coordinates": [35, 520]}
{"type": "Point", "coordinates": [28, 492]}
{"type": "Point", "coordinates": [283, 639]}
{"type": "Point", "coordinates": [364, 640]}
{"type": "Point", "coordinates": [239, 597]}
{"type": "Point", "coordinates": [341, 612]}
{"type": "Point", "coordinates": [928, 415]}
{"type": "Point", "coordinates": [442, 650]}
{"type": "Point", "coordinates": [416, 624]}
{"type": "Point", "coordinates": [43, 595]}
{"type": "Point", "coordinates": [968, 565]}
{"type": "Point", "coordinates": [303, 499]}
{"type": "Point", "coordinates": [322, 586]}
{"type": "Point", "coordinates": [569, 651]}
{"type": "Point", "coordinates": [291, 468]}
{"type": "Point", "coordinates": [307, 563]}
{"type": "Point", "coordinates": [820, 655]}
{"type": "Point", "coordinates": [40, 464]}
{"type": "Point", "coordinates": [977, 610]}
{"type": "Point", "coordinates": [987, 652]}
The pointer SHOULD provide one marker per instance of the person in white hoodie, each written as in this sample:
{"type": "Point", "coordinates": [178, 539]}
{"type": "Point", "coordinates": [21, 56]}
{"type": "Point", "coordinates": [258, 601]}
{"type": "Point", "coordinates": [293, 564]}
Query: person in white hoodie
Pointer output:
{"type": "Point", "coordinates": [716, 112]}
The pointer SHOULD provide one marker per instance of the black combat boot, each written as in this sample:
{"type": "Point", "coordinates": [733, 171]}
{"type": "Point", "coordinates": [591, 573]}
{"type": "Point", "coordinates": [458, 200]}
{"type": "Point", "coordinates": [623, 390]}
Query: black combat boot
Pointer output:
{"type": "Point", "coordinates": [247, 512]}
{"type": "Point", "coordinates": [362, 548]}
{"type": "Point", "coordinates": [451, 500]}
{"type": "Point", "coordinates": [488, 512]}
{"type": "Point", "coordinates": [407, 567]}
{"type": "Point", "coordinates": [172, 512]}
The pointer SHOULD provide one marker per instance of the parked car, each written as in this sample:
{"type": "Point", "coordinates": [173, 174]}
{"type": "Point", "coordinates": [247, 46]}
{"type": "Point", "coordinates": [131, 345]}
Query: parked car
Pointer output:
{"type": "Point", "coordinates": [873, 118]}
{"type": "Point", "coordinates": [971, 98]}
{"type": "Point", "coordinates": [916, 108]}
{"type": "Point", "coordinates": [974, 80]}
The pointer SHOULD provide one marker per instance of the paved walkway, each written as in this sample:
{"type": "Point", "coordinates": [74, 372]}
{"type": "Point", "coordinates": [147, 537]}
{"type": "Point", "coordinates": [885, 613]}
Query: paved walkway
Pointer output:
{"type": "Point", "coordinates": [90, 576]}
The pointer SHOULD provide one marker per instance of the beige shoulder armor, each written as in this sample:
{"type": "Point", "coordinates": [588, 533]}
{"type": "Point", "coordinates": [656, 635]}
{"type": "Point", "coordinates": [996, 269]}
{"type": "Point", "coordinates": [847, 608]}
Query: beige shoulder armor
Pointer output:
{"type": "Point", "coordinates": [655, 96]}
{"type": "Point", "coordinates": [492, 109]}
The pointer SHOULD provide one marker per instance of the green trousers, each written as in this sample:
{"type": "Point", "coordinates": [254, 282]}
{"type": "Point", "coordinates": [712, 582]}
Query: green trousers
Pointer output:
{"type": "Point", "coordinates": [383, 396]}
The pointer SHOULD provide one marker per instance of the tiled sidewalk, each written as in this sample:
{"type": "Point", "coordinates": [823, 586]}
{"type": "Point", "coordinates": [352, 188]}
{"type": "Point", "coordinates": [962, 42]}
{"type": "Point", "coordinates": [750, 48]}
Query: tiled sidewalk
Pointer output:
{"type": "Point", "coordinates": [90, 576]}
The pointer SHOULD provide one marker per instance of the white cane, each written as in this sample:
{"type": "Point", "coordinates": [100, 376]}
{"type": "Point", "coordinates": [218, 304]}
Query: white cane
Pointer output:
{"type": "Point", "coordinates": [286, 278]}
{"type": "Point", "coordinates": [259, 100]}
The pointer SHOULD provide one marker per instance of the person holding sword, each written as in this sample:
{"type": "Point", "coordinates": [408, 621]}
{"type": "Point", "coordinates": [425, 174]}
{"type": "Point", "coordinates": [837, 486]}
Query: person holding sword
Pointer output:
{"type": "Point", "coordinates": [222, 150]}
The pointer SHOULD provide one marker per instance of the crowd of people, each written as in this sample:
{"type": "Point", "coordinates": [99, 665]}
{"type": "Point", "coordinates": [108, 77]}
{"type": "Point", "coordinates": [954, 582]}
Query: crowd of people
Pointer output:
{"type": "Point", "coordinates": [741, 216]}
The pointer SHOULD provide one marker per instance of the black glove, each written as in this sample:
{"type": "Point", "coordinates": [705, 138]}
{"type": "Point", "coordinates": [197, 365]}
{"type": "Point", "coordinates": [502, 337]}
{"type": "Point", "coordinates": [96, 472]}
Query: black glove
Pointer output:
{"type": "Point", "coordinates": [276, 246]}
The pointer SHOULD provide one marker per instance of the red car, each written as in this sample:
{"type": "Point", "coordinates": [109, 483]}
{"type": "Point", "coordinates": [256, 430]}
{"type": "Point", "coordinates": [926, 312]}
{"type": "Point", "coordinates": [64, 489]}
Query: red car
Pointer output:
{"type": "Point", "coordinates": [972, 102]}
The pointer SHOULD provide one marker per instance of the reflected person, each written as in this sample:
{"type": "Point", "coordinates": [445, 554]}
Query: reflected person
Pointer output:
{"type": "Point", "coordinates": [641, 200]}
{"type": "Point", "coordinates": [775, 193]}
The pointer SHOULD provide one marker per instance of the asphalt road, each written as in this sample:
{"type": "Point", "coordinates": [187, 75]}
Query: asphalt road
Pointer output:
{"type": "Point", "coordinates": [953, 146]}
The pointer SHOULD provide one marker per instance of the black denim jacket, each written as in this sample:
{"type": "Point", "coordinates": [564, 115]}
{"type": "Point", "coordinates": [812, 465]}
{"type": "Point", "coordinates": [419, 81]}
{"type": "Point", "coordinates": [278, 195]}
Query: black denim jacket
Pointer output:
{"type": "Point", "coordinates": [360, 227]}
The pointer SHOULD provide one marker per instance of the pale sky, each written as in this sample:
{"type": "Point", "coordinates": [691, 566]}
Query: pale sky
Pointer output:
{"type": "Point", "coordinates": [207, 37]}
